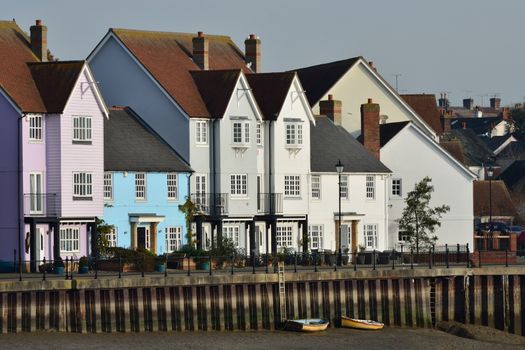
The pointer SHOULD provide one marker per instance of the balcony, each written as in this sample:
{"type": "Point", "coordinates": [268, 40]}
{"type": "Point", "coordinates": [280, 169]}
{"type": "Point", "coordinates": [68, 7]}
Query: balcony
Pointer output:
{"type": "Point", "coordinates": [211, 203]}
{"type": "Point", "coordinates": [270, 203]}
{"type": "Point", "coordinates": [41, 204]}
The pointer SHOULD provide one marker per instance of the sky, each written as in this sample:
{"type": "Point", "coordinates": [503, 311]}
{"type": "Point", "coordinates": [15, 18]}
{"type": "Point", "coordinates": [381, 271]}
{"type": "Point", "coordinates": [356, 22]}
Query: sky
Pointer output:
{"type": "Point", "coordinates": [467, 48]}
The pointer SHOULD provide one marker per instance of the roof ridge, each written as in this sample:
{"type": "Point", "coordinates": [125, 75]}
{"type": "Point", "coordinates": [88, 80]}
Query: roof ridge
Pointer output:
{"type": "Point", "coordinates": [328, 63]}
{"type": "Point", "coordinates": [56, 62]}
{"type": "Point", "coordinates": [170, 33]}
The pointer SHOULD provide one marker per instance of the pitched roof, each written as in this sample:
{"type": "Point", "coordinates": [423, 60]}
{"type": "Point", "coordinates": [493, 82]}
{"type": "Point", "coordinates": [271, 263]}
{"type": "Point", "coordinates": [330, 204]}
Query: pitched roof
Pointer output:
{"type": "Point", "coordinates": [216, 88]}
{"type": "Point", "coordinates": [498, 195]}
{"type": "Point", "coordinates": [389, 130]}
{"type": "Point", "coordinates": [330, 143]}
{"type": "Point", "coordinates": [426, 107]}
{"type": "Point", "coordinates": [55, 81]}
{"type": "Point", "coordinates": [130, 145]}
{"type": "Point", "coordinates": [480, 126]}
{"type": "Point", "coordinates": [455, 148]}
{"type": "Point", "coordinates": [270, 90]}
{"type": "Point", "coordinates": [495, 142]}
{"type": "Point", "coordinates": [462, 112]}
{"type": "Point", "coordinates": [15, 76]}
{"type": "Point", "coordinates": [514, 150]}
{"type": "Point", "coordinates": [475, 151]}
{"type": "Point", "coordinates": [514, 175]}
{"type": "Point", "coordinates": [318, 80]}
{"type": "Point", "coordinates": [168, 58]}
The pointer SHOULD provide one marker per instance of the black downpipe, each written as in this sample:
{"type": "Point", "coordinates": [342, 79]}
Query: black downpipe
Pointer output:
{"type": "Point", "coordinates": [19, 184]}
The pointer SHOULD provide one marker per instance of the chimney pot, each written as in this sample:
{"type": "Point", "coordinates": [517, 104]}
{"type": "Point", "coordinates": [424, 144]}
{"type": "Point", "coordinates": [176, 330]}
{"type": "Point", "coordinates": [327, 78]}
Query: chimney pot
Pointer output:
{"type": "Point", "coordinates": [200, 34]}
{"type": "Point", "coordinates": [252, 36]}
{"type": "Point", "coordinates": [330, 97]}
{"type": "Point", "coordinates": [38, 22]}
{"type": "Point", "coordinates": [370, 127]}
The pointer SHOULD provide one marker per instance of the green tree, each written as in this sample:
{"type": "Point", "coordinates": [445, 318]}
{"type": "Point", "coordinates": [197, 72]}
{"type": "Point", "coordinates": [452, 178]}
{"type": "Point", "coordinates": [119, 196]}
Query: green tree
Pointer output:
{"type": "Point", "coordinates": [103, 229]}
{"type": "Point", "coordinates": [189, 209]}
{"type": "Point", "coordinates": [419, 220]}
{"type": "Point", "coordinates": [518, 117]}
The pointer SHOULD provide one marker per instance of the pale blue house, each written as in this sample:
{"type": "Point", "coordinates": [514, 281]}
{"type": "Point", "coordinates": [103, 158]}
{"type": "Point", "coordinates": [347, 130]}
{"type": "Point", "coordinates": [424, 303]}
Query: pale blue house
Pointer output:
{"type": "Point", "coordinates": [145, 181]}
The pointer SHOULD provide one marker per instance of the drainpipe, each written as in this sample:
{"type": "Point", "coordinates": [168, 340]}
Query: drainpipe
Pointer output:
{"type": "Point", "coordinates": [19, 184]}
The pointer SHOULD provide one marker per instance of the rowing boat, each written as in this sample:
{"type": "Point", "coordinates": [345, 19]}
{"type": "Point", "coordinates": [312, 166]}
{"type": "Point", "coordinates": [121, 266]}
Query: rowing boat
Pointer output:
{"type": "Point", "coordinates": [306, 325]}
{"type": "Point", "coordinates": [360, 324]}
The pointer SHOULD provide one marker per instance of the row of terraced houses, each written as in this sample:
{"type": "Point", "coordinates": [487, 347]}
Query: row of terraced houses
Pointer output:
{"type": "Point", "coordinates": [150, 119]}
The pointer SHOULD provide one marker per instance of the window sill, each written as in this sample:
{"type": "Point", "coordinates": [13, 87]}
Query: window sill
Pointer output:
{"type": "Point", "coordinates": [293, 146]}
{"type": "Point", "coordinates": [173, 200]}
{"type": "Point", "coordinates": [201, 144]}
{"type": "Point", "coordinates": [293, 198]}
{"type": "Point", "coordinates": [240, 145]}
{"type": "Point", "coordinates": [36, 141]}
{"type": "Point", "coordinates": [82, 198]}
{"type": "Point", "coordinates": [79, 142]}
{"type": "Point", "coordinates": [143, 200]}
{"type": "Point", "coordinates": [233, 197]}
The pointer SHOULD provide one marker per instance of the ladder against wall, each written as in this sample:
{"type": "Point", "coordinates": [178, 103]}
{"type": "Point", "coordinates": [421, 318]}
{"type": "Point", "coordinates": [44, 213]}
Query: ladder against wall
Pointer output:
{"type": "Point", "coordinates": [282, 290]}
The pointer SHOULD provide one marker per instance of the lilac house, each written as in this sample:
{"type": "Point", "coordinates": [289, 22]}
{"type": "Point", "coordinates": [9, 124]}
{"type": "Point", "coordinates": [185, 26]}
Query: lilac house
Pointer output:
{"type": "Point", "coordinates": [51, 150]}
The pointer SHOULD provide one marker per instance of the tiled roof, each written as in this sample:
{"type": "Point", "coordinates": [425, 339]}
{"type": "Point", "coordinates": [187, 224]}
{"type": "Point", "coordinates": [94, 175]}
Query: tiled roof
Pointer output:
{"type": "Point", "coordinates": [495, 142]}
{"type": "Point", "coordinates": [15, 76]}
{"type": "Point", "coordinates": [481, 126]}
{"type": "Point", "coordinates": [318, 80]}
{"type": "Point", "coordinates": [130, 145]}
{"type": "Point", "coordinates": [499, 197]}
{"type": "Point", "coordinates": [426, 107]}
{"type": "Point", "coordinates": [331, 143]}
{"type": "Point", "coordinates": [461, 112]}
{"type": "Point", "coordinates": [168, 58]}
{"type": "Point", "coordinates": [455, 148]}
{"type": "Point", "coordinates": [389, 130]}
{"type": "Point", "coordinates": [514, 175]}
{"type": "Point", "coordinates": [270, 90]}
{"type": "Point", "coordinates": [55, 81]}
{"type": "Point", "coordinates": [216, 88]}
{"type": "Point", "coordinates": [475, 151]}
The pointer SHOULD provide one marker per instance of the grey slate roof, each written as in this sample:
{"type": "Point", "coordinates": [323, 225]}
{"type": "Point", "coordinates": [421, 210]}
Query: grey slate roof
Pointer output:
{"type": "Point", "coordinates": [330, 143]}
{"type": "Point", "coordinates": [130, 145]}
{"type": "Point", "coordinates": [475, 151]}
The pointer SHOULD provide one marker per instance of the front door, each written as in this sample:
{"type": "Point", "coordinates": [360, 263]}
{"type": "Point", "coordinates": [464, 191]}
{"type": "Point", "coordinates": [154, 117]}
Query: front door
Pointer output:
{"type": "Point", "coordinates": [141, 237]}
{"type": "Point", "coordinates": [345, 237]}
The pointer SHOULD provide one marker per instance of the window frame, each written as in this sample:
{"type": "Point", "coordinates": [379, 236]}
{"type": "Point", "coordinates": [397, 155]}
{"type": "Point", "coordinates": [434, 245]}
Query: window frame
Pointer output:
{"type": "Point", "coordinates": [35, 131]}
{"type": "Point", "coordinates": [172, 186]}
{"type": "Point", "coordinates": [259, 134]}
{"type": "Point", "coordinates": [370, 184]}
{"type": "Point", "coordinates": [344, 188]}
{"type": "Point", "coordinates": [243, 133]}
{"type": "Point", "coordinates": [144, 185]}
{"type": "Point", "coordinates": [316, 239]}
{"type": "Point", "coordinates": [315, 186]}
{"type": "Point", "coordinates": [399, 188]}
{"type": "Point", "coordinates": [293, 135]}
{"type": "Point", "coordinates": [108, 186]}
{"type": "Point", "coordinates": [82, 129]}
{"type": "Point", "coordinates": [82, 189]}
{"type": "Point", "coordinates": [284, 237]}
{"type": "Point", "coordinates": [201, 132]}
{"type": "Point", "coordinates": [232, 232]}
{"type": "Point", "coordinates": [173, 243]}
{"type": "Point", "coordinates": [370, 233]}
{"type": "Point", "coordinates": [112, 237]}
{"type": "Point", "coordinates": [239, 185]}
{"type": "Point", "coordinates": [292, 186]}
{"type": "Point", "coordinates": [69, 241]}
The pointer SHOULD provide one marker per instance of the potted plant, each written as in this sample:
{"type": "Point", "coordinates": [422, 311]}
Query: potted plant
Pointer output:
{"type": "Point", "coordinates": [346, 258]}
{"type": "Point", "coordinates": [83, 265]}
{"type": "Point", "coordinates": [58, 266]}
{"type": "Point", "coordinates": [361, 255]}
{"type": "Point", "coordinates": [159, 263]}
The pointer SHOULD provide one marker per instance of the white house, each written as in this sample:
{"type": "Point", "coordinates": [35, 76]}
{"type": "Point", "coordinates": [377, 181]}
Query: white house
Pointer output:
{"type": "Point", "coordinates": [353, 81]}
{"type": "Point", "coordinates": [364, 189]}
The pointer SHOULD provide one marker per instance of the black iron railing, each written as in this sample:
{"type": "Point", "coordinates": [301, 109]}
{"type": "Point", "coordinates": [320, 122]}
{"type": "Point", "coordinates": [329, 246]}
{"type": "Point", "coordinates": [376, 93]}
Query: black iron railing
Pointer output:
{"type": "Point", "coordinates": [270, 203]}
{"type": "Point", "coordinates": [211, 203]}
{"type": "Point", "coordinates": [41, 204]}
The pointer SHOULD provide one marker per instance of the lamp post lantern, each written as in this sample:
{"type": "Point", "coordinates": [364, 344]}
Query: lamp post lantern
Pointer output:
{"type": "Point", "coordinates": [339, 167]}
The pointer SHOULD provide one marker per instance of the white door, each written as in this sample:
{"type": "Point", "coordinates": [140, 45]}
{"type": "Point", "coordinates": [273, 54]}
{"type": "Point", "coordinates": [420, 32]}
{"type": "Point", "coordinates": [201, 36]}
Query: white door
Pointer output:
{"type": "Point", "coordinates": [346, 237]}
{"type": "Point", "coordinates": [35, 193]}
{"type": "Point", "coordinates": [41, 243]}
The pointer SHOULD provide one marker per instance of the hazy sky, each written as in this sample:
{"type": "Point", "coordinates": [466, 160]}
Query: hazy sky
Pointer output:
{"type": "Point", "coordinates": [473, 47]}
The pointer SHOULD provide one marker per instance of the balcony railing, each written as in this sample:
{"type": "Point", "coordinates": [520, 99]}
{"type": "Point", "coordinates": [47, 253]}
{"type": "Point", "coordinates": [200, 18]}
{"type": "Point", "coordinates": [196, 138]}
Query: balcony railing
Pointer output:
{"type": "Point", "coordinates": [270, 203]}
{"type": "Point", "coordinates": [41, 204]}
{"type": "Point", "coordinates": [211, 203]}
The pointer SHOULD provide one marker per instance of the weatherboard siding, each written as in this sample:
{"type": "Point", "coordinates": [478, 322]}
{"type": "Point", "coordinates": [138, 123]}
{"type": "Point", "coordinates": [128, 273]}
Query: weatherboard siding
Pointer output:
{"type": "Point", "coordinates": [53, 155]}
{"type": "Point", "coordinates": [82, 157]}
{"type": "Point", "coordinates": [8, 178]}
{"type": "Point", "coordinates": [123, 82]}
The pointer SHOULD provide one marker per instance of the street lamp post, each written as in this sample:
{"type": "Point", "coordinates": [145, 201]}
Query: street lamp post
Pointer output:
{"type": "Point", "coordinates": [490, 173]}
{"type": "Point", "coordinates": [339, 167]}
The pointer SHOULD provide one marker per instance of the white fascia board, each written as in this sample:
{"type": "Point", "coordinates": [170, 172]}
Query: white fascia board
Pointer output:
{"type": "Point", "coordinates": [110, 35]}
{"type": "Point", "coordinates": [504, 144]}
{"type": "Point", "coordinates": [396, 95]}
{"type": "Point", "coordinates": [251, 99]}
{"type": "Point", "coordinates": [436, 145]}
{"type": "Point", "coordinates": [297, 83]}
{"type": "Point", "coordinates": [94, 85]}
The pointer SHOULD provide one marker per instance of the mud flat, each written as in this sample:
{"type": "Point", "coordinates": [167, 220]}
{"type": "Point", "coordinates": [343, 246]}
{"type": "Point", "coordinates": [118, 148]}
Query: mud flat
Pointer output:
{"type": "Point", "coordinates": [389, 338]}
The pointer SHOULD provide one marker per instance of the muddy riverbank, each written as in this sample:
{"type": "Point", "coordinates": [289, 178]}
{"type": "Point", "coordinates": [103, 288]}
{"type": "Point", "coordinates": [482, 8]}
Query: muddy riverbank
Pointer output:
{"type": "Point", "coordinates": [389, 338]}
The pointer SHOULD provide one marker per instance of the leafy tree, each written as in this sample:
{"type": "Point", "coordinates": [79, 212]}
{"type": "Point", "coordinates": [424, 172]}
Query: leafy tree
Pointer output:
{"type": "Point", "coordinates": [103, 229]}
{"type": "Point", "coordinates": [189, 209]}
{"type": "Point", "coordinates": [419, 220]}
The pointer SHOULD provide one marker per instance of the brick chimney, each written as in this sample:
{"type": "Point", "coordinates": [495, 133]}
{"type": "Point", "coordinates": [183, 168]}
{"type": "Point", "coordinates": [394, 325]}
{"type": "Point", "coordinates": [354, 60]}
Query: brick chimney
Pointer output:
{"type": "Point", "coordinates": [39, 40]}
{"type": "Point", "coordinates": [495, 102]}
{"type": "Point", "coordinates": [252, 53]}
{"type": "Point", "coordinates": [443, 101]}
{"type": "Point", "coordinates": [332, 109]}
{"type": "Point", "coordinates": [468, 103]}
{"type": "Point", "coordinates": [446, 118]}
{"type": "Point", "coordinates": [370, 127]}
{"type": "Point", "coordinates": [505, 114]}
{"type": "Point", "coordinates": [200, 51]}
